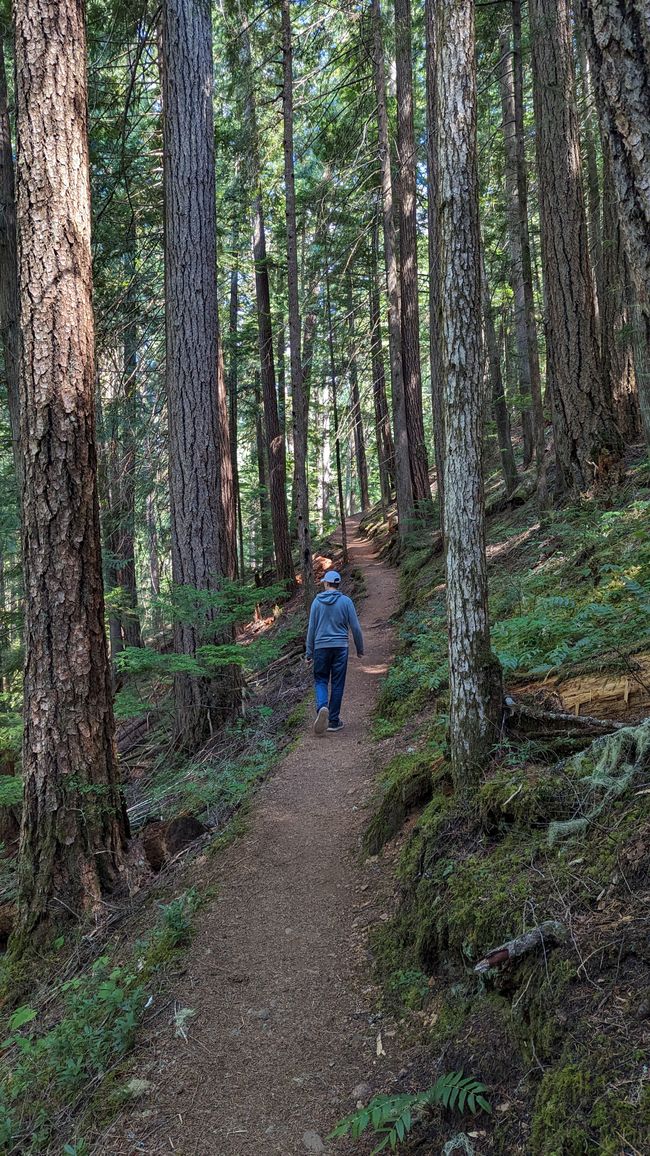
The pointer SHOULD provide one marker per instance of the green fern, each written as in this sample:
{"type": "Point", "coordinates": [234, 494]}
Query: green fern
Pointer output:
{"type": "Point", "coordinates": [394, 1117]}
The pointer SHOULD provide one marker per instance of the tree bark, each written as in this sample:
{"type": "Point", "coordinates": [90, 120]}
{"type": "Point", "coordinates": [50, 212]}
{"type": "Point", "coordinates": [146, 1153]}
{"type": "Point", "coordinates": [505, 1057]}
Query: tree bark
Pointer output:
{"type": "Point", "coordinates": [499, 404]}
{"type": "Point", "coordinates": [194, 392]}
{"type": "Point", "coordinates": [384, 435]}
{"type": "Point", "coordinates": [589, 133]}
{"type": "Point", "coordinates": [433, 219]}
{"type": "Point", "coordinates": [506, 79]}
{"type": "Point", "coordinates": [403, 484]}
{"type": "Point", "coordinates": [74, 827]}
{"type": "Point", "coordinates": [475, 683]}
{"type": "Point", "coordinates": [300, 409]}
{"type": "Point", "coordinates": [586, 438]}
{"type": "Point", "coordinates": [9, 301]}
{"type": "Point", "coordinates": [233, 386]}
{"type": "Point", "coordinates": [527, 261]}
{"type": "Point", "coordinates": [616, 323]}
{"type": "Point", "coordinates": [410, 316]}
{"type": "Point", "coordinates": [265, 553]}
{"type": "Point", "coordinates": [617, 33]}
{"type": "Point", "coordinates": [335, 408]}
{"type": "Point", "coordinates": [355, 406]}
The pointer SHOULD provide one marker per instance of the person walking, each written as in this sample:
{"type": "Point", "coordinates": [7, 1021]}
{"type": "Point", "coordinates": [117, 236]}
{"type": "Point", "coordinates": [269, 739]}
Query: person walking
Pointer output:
{"type": "Point", "coordinates": [331, 618]}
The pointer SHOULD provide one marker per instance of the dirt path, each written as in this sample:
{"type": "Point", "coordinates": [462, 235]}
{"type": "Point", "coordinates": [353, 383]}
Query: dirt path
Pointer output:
{"type": "Point", "coordinates": [283, 1032]}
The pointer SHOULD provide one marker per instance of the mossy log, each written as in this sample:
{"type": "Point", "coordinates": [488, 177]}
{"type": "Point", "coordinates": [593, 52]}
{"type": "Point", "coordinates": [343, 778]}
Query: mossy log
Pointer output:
{"type": "Point", "coordinates": [549, 932]}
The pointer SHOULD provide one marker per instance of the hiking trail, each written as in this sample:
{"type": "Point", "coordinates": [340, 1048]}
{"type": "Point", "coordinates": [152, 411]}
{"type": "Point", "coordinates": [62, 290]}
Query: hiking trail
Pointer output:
{"type": "Point", "coordinates": [282, 1031]}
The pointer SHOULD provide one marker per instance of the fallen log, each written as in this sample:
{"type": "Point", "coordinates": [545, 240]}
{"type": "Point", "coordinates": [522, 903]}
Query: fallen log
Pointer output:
{"type": "Point", "coordinates": [533, 721]}
{"type": "Point", "coordinates": [550, 932]}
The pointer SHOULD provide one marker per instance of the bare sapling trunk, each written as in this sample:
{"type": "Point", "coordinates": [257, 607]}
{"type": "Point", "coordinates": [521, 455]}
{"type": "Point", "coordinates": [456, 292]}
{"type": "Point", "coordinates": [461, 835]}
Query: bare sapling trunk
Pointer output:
{"type": "Point", "coordinates": [74, 826]}
{"type": "Point", "coordinates": [195, 386]}
{"type": "Point", "coordinates": [300, 408]}
{"type": "Point", "coordinates": [355, 405]}
{"type": "Point", "coordinates": [408, 249]}
{"type": "Point", "coordinates": [403, 484]}
{"type": "Point", "coordinates": [499, 403]}
{"type": "Point", "coordinates": [335, 411]}
{"type": "Point", "coordinates": [587, 441]}
{"type": "Point", "coordinates": [475, 680]}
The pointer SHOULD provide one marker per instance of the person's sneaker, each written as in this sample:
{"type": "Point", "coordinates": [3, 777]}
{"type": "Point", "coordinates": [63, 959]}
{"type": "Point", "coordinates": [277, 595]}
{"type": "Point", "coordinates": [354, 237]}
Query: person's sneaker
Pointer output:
{"type": "Point", "coordinates": [336, 726]}
{"type": "Point", "coordinates": [322, 720]}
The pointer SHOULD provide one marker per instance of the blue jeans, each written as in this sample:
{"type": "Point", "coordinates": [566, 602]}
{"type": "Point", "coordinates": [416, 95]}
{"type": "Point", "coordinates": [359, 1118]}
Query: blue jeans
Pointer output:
{"type": "Point", "coordinates": [330, 662]}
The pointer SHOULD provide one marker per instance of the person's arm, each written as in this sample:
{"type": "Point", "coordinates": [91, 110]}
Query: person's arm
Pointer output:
{"type": "Point", "coordinates": [355, 628]}
{"type": "Point", "coordinates": [311, 632]}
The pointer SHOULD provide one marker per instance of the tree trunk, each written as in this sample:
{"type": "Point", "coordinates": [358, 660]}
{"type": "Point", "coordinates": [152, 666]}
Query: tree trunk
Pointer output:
{"type": "Point", "coordinates": [74, 827]}
{"type": "Point", "coordinates": [203, 703]}
{"type": "Point", "coordinates": [265, 553]}
{"type": "Point", "coordinates": [300, 409]}
{"type": "Point", "coordinates": [355, 404]}
{"type": "Point", "coordinates": [124, 572]}
{"type": "Point", "coordinates": [233, 385]}
{"type": "Point", "coordinates": [616, 323]}
{"type": "Point", "coordinates": [433, 218]}
{"type": "Point", "coordinates": [527, 262]}
{"type": "Point", "coordinates": [9, 305]}
{"type": "Point", "coordinates": [586, 438]}
{"type": "Point", "coordinates": [385, 447]}
{"type": "Point", "coordinates": [335, 408]}
{"type": "Point", "coordinates": [408, 237]}
{"type": "Point", "coordinates": [499, 404]}
{"type": "Point", "coordinates": [589, 135]}
{"type": "Point", "coordinates": [403, 484]}
{"type": "Point", "coordinates": [506, 77]}
{"type": "Point", "coordinates": [475, 684]}
{"type": "Point", "coordinates": [617, 33]}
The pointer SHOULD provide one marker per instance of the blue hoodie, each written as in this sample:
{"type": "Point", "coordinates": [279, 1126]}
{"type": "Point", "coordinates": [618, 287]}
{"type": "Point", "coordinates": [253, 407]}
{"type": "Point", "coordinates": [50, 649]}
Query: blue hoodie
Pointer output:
{"type": "Point", "coordinates": [332, 616]}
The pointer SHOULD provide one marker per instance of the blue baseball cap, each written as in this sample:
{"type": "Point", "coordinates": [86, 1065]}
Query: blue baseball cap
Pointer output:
{"type": "Point", "coordinates": [332, 576]}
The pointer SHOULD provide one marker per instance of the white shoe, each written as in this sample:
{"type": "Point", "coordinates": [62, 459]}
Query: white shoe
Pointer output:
{"type": "Point", "coordinates": [322, 721]}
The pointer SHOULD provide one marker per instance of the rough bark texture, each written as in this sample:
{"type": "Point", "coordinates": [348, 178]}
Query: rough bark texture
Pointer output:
{"type": "Point", "coordinates": [618, 44]}
{"type": "Point", "coordinates": [527, 262]}
{"type": "Point", "coordinates": [300, 408]}
{"type": "Point", "coordinates": [404, 487]}
{"type": "Point", "coordinates": [74, 824]}
{"type": "Point", "coordinates": [355, 408]}
{"type": "Point", "coordinates": [586, 438]}
{"type": "Point", "coordinates": [410, 316]}
{"type": "Point", "coordinates": [9, 328]}
{"type": "Point", "coordinates": [475, 685]}
{"type": "Point", "coordinates": [499, 403]}
{"type": "Point", "coordinates": [433, 220]}
{"type": "Point", "coordinates": [384, 434]}
{"type": "Point", "coordinates": [589, 136]}
{"type": "Point", "coordinates": [616, 323]}
{"type": "Point", "coordinates": [195, 436]}
{"type": "Point", "coordinates": [506, 78]}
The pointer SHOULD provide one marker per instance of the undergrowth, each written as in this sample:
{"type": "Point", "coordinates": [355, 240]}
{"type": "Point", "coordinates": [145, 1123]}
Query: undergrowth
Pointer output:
{"type": "Point", "coordinates": [55, 1061]}
{"type": "Point", "coordinates": [558, 1034]}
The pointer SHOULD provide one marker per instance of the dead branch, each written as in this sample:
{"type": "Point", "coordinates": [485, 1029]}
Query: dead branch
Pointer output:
{"type": "Point", "coordinates": [549, 932]}
{"type": "Point", "coordinates": [533, 721]}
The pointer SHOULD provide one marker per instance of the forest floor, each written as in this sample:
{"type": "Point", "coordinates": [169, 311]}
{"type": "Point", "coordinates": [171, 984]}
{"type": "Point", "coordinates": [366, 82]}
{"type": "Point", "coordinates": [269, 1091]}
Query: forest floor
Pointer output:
{"type": "Point", "coordinates": [280, 1023]}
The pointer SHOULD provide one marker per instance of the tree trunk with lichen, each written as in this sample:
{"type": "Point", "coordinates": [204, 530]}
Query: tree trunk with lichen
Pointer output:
{"type": "Point", "coordinates": [474, 673]}
{"type": "Point", "coordinates": [74, 827]}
